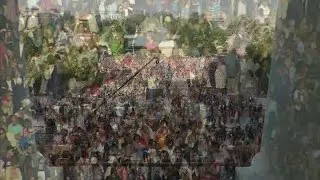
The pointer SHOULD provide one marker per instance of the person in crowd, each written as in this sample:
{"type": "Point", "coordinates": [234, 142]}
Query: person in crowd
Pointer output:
{"type": "Point", "coordinates": [4, 148]}
{"type": "Point", "coordinates": [4, 21]}
{"type": "Point", "coordinates": [171, 130]}
{"type": "Point", "coordinates": [151, 43]}
{"type": "Point", "coordinates": [165, 146]}
{"type": "Point", "coordinates": [15, 130]}
{"type": "Point", "coordinates": [251, 84]}
{"type": "Point", "coordinates": [38, 164]}
{"type": "Point", "coordinates": [221, 77]}
{"type": "Point", "coordinates": [6, 67]}
{"type": "Point", "coordinates": [26, 139]}
{"type": "Point", "coordinates": [247, 67]}
{"type": "Point", "coordinates": [11, 164]}
{"type": "Point", "coordinates": [233, 69]}
{"type": "Point", "coordinates": [25, 164]}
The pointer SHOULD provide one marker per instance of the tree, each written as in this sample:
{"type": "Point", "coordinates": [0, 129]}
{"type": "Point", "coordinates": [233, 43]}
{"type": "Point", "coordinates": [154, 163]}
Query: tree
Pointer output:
{"type": "Point", "coordinates": [199, 39]}
{"type": "Point", "coordinates": [257, 39]}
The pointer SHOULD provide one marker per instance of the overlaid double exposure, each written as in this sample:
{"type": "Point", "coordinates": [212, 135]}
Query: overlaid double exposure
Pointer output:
{"type": "Point", "coordinates": [159, 89]}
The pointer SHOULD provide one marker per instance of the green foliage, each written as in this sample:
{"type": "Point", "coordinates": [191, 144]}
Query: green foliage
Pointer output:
{"type": "Point", "coordinates": [259, 49]}
{"type": "Point", "coordinates": [259, 35]}
{"type": "Point", "coordinates": [31, 49]}
{"type": "Point", "coordinates": [69, 20]}
{"type": "Point", "coordinates": [114, 37]}
{"type": "Point", "coordinates": [199, 39]}
{"type": "Point", "coordinates": [39, 66]}
{"type": "Point", "coordinates": [81, 65]}
{"type": "Point", "coordinates": [194, 37]}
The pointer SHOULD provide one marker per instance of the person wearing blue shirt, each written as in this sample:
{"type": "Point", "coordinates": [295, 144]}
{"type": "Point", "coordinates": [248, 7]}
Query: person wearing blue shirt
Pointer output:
{"type": "Point", "coordinates": [27, 139]}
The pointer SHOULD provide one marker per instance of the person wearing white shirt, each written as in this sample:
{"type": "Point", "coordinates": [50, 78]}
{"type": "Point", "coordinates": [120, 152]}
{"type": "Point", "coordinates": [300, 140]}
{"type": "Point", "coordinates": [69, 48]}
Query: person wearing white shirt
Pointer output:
{"type": "Point", "coordinates": [221, 77]}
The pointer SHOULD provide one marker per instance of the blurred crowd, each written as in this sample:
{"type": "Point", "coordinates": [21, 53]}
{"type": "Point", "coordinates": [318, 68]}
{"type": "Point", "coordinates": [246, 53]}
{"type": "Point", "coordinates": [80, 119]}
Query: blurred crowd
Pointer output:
{"type": "Point", "coordinates": [192, 128]}
{"type": "Point", "coordinates": [194, 120]}
{"type": "Point", "coordinates": [183, 8]}
{"type": "Point", "coordinates": [114, 8]}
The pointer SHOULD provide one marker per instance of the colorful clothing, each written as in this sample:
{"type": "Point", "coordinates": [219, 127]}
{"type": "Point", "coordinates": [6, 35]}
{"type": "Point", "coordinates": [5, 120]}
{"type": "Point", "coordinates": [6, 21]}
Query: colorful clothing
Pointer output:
{"type": "Point", "coordinates": [151, 45]}
{"type": "Point", "coordinates": [15, 129]}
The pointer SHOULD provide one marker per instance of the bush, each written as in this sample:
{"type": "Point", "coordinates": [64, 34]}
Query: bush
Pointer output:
{"type": "Point", "coordinates": [259, 48]}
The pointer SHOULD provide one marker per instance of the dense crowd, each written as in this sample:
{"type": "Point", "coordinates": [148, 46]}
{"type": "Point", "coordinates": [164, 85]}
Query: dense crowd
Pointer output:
{"type": "Point", "coordinates": [115, 8]}
{"type": "Point", "coordinates": [187, 120]}
{"type": "Point", "coordinates": [178, 125]}
{"type": "Point", "coordinates": [183, 8]}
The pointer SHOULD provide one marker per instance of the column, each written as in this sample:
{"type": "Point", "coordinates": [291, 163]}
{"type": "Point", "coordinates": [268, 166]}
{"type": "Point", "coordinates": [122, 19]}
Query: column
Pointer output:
{"type": "Point", "coordinates": [291, 144]}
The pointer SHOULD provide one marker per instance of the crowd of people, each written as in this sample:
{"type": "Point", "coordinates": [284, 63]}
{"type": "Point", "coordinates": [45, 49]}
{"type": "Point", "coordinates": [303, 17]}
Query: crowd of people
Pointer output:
{"type": "Point", "coordinates": [176, 118]}
{"type": "Point", "coordinates": [189, 128]}
{"type": "Point", "coordinates": [115, 8]}
{"type": "Point", "coordinates": [182, 8]}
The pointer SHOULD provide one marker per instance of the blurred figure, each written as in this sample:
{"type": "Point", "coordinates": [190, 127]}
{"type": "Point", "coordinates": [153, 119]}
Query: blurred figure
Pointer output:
{"type": "Point", "coordinates": [151, 44]}
{"type": "Point", "coordinates": [25, 164]}
{"type": "Point", "coordinates": [247, 77]}
{"type": "Point", "coordinates": [233, 69]}
{"type": "Point", "coordinates": [5, 144]}
{"type": "Point", "coordinates": [15, 130]}
{"type": "Point", "coordinates": [38, 164]}
{"type": "Point", "coordinates": [10, 163]}
{"type": "Point", "coordinates": [251, 84]}
{"type": "Point", "coordinates": [221, 77]}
